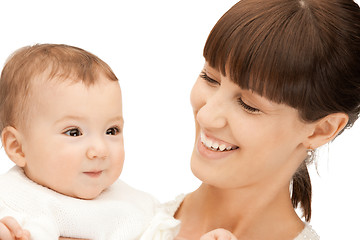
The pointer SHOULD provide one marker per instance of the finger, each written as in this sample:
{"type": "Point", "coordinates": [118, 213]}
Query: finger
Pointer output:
{"type": "Point", "coordinates": [232, 237]}
{"type": "Point", "coordinates": [13, 226]}
{"type": "Point", "coordinates": [5, 233]}
{"type": "Point", "coordinates": [218, 234]}
{"type": "Point", "coordinates": [229, 235]}
{"type": "Point", "coordinates": [26, 235]}
{"type": "Point", "coordinates": [209, 236]}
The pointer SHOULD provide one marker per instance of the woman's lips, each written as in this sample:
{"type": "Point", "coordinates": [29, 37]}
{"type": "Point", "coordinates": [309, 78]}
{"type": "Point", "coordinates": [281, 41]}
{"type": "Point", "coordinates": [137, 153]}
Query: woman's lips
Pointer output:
{"type": "Point", "coordinates": [215, 144]}
{"type": "Point", "coordinates": [217, 149]}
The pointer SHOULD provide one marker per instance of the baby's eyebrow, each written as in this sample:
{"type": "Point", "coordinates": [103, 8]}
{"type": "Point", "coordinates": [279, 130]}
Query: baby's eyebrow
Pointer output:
{"type": "Point", "coordinates": [69, 117]}
{"type": "Point", "coordinates": [117, 119]}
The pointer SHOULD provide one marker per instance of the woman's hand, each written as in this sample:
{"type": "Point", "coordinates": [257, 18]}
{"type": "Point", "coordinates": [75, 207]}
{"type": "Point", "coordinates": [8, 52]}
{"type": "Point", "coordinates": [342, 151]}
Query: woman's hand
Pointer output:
{"type": "Point", "coordinates": [10, 229]}
{"type": "Point", "coordinates": [219, 234]}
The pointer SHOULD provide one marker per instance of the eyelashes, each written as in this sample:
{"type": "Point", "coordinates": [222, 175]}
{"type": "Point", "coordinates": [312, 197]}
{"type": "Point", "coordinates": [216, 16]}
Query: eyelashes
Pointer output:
{"type": "Point", "coordinates": [210, 80]}
{"type": "Point", "coordinates": [76, 132]}
{"type": "Point", "coordinates": [113, 131]}
{"type": "Point", "coordinates": [245, 106]}
{"type": "Point", "coordinates": [73, 132]}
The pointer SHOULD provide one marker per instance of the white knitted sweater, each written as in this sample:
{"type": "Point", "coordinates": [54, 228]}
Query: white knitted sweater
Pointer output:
{"type": "Point", "coordinates": [120, 212]}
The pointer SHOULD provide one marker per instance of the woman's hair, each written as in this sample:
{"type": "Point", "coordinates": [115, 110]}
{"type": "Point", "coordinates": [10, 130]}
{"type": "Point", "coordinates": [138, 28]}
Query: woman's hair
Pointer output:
{"type": "Point", "coordinates": [46, 61]}
{"type": "Point", "coordinates": [303, 53]}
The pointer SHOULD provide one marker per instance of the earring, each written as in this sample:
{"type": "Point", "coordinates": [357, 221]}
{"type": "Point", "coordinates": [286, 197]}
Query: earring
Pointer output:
{"type": "Point", "coordinates": [310, 155]}
{"type": "Point", "coordinates": [310, 152]}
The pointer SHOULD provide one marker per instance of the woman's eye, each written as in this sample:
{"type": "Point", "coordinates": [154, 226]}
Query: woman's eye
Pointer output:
{"type": "Point", "coordinates": [113, 131]}
{"type": "Point", "coordinates": [74, 132]}
{"type": "Point", "coordinates": [210, 80]}
{"type": "Point", "coordinates": [247, 107]}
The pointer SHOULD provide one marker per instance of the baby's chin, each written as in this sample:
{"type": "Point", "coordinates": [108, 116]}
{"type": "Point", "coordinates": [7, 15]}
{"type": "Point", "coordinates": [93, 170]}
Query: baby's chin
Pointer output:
{"type": "Point", "coordinates": [88, 195]}
{"type": "Point", "coordinates": [85, 194]}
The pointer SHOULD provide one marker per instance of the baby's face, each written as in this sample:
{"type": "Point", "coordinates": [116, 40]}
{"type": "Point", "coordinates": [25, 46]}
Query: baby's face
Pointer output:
{"type": "Point", "coordinates": [74, 140]}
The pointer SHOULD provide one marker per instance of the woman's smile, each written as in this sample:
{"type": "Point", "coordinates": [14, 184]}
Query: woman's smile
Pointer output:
{"type": "Point", "coordinates": [213, 148]}
{"type": "Point", "coordinates": [215, 144]}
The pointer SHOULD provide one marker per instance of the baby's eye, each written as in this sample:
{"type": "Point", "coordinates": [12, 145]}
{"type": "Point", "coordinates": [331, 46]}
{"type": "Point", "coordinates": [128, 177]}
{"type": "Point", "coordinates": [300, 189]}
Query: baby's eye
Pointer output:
{"type": "Point", "coordinates": [73, 132]}
{"type": "Point", "coordinates": [113, 131]}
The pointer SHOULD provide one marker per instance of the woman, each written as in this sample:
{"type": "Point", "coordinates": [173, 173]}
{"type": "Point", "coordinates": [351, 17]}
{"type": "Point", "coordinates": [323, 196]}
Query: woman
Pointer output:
{"type": "Point", "coordinates": [281, 78]}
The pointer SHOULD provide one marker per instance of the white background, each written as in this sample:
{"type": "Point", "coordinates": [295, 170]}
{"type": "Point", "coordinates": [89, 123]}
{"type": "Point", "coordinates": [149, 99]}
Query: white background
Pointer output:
{"type": "Point", "coordinates": [155, 49]}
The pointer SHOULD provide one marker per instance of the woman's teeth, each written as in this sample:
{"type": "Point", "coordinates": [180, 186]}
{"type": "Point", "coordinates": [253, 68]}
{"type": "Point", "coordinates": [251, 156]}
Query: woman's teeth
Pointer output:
{"type": "Point", "coordinates": [213, 145]}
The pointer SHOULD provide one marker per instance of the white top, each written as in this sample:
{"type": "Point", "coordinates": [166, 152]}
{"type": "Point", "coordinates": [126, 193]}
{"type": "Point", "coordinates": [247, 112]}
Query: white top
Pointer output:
{"type": "Point", "coordinates": [306, 234]}
{"type": "Point", "coordinates": [119, 213]}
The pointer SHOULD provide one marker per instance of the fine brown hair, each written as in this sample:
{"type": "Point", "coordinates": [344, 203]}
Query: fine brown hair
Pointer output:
{"type": "Point", "coordinates": [303, 53]}
{"type": "Point", "coordinates": [50, 61]}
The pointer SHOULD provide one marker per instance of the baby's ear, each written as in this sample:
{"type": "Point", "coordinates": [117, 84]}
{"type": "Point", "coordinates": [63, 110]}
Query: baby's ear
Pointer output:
{"type": "Point", "coordinates": [11, 140]}
{"type": "Point", "coordinates": [327, 128]}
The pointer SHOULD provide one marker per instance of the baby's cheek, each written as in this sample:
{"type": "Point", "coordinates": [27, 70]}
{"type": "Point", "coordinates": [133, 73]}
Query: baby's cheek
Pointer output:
{"type": "Point", "coordinates": [118, 163]}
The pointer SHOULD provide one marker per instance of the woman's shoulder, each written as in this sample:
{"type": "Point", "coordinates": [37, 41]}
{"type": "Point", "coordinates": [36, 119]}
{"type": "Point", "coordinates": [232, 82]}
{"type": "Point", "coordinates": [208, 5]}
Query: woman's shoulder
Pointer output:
{"type": "Point", "coordinates": [308, 233]}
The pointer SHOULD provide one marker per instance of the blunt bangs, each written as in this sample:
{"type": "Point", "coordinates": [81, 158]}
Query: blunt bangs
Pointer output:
{"type": "Point", "coordinates": [285, 52]}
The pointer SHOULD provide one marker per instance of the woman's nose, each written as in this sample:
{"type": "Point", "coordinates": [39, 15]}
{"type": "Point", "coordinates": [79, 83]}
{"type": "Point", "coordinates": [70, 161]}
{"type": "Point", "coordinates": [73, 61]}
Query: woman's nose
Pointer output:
{"type": "Point", "coordinates": [213, 113]}
{"type": "Point", "coordinates": [97, 149]}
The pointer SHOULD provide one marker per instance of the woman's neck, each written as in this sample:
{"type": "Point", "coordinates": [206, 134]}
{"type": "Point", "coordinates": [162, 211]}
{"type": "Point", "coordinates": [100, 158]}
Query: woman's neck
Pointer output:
{"type": "Point", "coordinates": [249, 212]}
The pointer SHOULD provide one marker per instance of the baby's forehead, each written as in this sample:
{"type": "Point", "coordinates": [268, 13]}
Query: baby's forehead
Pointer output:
{"type": "Point", "coordinates": [70, 93]}
{"type": "Point", "coordinates": [56, 79]}
{"type": "Point", "coordinates": [73, 94]}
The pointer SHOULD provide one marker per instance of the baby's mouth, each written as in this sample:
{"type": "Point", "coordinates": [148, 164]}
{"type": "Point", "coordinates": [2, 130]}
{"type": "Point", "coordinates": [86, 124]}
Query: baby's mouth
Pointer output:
{"type": "Point", "coordinates": [215, 145]}
{"type": "Point", "coordinates": [94, 173]}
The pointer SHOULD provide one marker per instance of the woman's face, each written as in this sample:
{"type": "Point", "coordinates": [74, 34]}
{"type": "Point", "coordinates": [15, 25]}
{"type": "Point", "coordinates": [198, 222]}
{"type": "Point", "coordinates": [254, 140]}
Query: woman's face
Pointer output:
{"type": "Point", "coordinates": [242, 138]}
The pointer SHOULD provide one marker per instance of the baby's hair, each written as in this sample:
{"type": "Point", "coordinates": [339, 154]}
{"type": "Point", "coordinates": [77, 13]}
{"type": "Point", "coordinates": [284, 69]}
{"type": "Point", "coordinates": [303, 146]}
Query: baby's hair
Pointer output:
{"type": "Point", "coordinates": [305, 54]}
{"type": "Point", "coordinates": [46, 61]}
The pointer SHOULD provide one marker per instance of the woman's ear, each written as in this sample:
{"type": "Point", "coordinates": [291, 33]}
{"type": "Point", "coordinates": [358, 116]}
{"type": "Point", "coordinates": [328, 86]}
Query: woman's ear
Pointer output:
{"type": "Point", "coordinates": [11, 141]}
{"type": "Point", "coordinates": [327, 128]}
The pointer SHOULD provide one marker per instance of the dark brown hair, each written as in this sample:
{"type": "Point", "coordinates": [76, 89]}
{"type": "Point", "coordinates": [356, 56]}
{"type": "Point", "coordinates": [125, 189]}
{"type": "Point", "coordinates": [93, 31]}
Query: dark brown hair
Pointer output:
{"type": "Point", "coordinates": [50, 61]}
{"type": "Point", "coordinates": [303, 53]}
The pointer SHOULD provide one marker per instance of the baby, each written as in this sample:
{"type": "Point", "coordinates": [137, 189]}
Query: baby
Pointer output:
{"type": "Point", "coordinates": [61, 123]}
